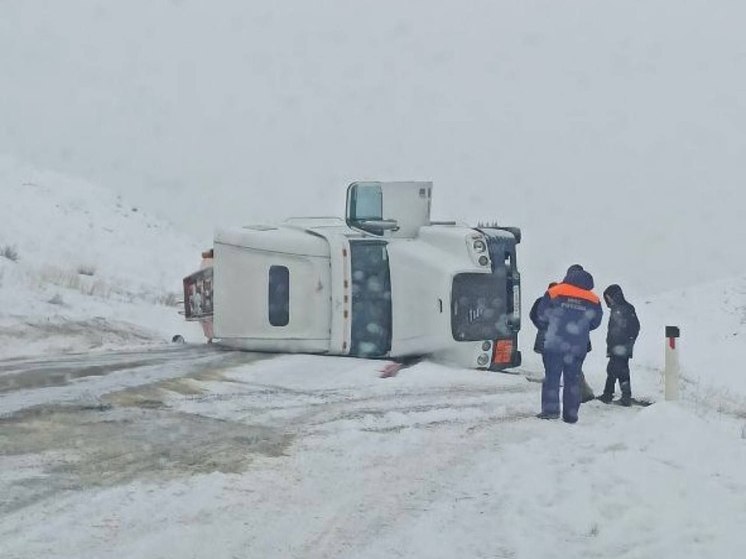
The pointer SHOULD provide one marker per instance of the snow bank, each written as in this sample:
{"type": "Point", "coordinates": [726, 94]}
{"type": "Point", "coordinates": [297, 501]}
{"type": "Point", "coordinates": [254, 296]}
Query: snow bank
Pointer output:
{"type": "Point", "coordinates": [712, 318]}
{"type": "Point", "coordinates": [72, 252]}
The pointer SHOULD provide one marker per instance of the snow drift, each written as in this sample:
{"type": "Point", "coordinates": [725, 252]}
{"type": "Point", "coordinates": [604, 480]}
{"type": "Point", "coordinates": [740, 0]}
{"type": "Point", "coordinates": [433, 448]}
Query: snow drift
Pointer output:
{"type": "Point", "coordinates": [81, 268]}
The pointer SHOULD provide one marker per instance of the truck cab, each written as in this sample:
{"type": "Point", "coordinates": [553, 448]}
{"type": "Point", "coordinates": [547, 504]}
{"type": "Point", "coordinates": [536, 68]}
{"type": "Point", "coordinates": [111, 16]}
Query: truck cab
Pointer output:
{"type": "Point", "coordinates": [384, 282]}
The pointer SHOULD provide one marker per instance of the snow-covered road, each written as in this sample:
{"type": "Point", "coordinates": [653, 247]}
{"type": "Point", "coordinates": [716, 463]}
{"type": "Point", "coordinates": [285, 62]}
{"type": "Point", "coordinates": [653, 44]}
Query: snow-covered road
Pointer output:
{"type": "Point", "coordinates": [198, 453]}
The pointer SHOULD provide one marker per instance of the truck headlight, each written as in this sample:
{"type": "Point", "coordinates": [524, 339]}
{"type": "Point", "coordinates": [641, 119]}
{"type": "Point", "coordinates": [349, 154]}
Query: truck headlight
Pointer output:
{"type": "Point", "coordinates": [479, 245]}
{"type": "Point", "coordinates": [483, 260]}
{"type": "Point", "coordinates": [486, 346]}
{"type": "Point", "coordinates": [483, 359]}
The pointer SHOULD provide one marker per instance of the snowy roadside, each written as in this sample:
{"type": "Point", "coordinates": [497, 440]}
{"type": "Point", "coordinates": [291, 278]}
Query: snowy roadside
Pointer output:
{"type": "Point", "coordinates": [302, 456]}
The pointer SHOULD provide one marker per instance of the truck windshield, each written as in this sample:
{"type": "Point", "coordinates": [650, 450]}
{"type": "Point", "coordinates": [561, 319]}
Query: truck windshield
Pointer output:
{"type": "Point", "coordinates": [478, 307]}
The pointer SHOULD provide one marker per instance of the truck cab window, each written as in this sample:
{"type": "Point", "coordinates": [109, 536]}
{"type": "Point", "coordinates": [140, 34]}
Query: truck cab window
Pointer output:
{"type": "Point", "coordinates": [279, 296]}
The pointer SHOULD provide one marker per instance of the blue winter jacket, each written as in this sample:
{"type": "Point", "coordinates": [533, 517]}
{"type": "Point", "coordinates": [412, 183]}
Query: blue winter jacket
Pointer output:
{"type": "Point", "coordinates": [569, 311]}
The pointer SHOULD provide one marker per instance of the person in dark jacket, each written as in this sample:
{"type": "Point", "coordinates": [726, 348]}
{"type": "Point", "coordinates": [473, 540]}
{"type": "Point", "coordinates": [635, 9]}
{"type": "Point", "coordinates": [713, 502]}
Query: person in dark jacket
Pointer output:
{"type": "Point", "coordinates": [586, 392]}
{"type": "Point", "coordinates": [567, 312]}
{"type": "Point", "coordinates": [620, 340]}
{"type": "Point", "coordinates": [533, 315]}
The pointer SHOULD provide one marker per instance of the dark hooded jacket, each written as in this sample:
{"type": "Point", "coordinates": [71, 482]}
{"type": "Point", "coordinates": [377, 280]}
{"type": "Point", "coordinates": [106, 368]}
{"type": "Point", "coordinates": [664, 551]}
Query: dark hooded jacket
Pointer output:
{"type": "Point", "coordinates": [539, 341]}
{"type": "Point", "coordinates": [568, 312]}
{"type": "Point", "coordinates": [540, 328]}
{"type": "Point", "coordinates": [623, 324]}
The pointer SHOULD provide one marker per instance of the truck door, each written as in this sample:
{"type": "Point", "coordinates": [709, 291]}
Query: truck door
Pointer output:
{"type": "Point", "coordinates": [371, 299]}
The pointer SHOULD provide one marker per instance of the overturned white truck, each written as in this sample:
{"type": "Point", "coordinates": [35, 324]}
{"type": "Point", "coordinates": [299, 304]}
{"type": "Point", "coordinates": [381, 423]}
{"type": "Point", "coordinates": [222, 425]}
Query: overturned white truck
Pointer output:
{"type": "Point", "coordinates": [386, 282]}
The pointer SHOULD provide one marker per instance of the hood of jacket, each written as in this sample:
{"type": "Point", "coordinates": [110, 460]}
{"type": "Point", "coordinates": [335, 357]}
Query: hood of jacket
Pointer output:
{"type": "Point", "coordinates": [614, 294]}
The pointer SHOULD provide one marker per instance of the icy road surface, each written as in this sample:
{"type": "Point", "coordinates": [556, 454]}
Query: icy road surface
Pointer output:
{"type": "Point", "coordinates": [194, 452]}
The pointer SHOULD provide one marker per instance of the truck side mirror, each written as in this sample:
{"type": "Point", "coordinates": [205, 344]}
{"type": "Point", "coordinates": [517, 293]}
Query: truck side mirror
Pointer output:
{"type": "Point", "coordinates": [399, 208]}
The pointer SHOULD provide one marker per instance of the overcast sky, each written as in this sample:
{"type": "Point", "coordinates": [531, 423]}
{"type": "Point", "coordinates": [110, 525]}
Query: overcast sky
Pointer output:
{"type": "Point", "coordinates": [613, 133]}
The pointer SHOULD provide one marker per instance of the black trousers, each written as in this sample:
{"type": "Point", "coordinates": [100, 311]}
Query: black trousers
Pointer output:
{"type": "Point", "coordinates": [618, 369]}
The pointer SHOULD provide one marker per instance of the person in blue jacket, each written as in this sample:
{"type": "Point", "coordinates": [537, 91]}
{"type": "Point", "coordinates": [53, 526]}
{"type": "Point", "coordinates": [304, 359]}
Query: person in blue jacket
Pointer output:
{"type": "Point", "coordinates": [586, 392]}
{"type": "Point", "coordinates": [567, 313]}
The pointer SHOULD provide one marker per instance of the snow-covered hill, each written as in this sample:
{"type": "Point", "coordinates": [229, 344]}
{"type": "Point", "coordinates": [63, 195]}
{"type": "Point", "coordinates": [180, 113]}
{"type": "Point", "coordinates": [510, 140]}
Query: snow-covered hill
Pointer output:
{"type": "Point", "coordinates": [81, 268]}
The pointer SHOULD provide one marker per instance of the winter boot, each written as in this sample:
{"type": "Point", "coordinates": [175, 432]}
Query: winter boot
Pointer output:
{"type": "Point", "coordinates": [606, 398]}
{"type": "Point", "coordinates": [626, 399]}
{"type": "Point", "coordinates": [545, 415]}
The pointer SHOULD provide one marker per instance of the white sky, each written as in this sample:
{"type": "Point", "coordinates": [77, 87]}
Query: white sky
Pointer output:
{"type": "Point", "coordinates": [613, 133]}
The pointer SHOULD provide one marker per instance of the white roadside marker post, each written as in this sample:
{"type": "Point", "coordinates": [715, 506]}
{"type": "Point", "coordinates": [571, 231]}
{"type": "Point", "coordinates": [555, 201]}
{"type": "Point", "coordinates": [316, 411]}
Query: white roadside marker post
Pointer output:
{"type": "Point", "coordinates": [671, 373]}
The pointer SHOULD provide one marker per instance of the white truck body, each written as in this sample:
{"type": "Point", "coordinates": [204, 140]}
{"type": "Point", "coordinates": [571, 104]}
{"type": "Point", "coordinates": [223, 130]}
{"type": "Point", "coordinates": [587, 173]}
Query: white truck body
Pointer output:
{"type": "Point", "coordinates": [383, 283]}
